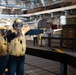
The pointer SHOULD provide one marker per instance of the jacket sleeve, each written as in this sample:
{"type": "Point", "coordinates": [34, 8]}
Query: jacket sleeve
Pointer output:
{"type": "Point", "coordinates": [26, 29]}
{"type": "Point", "coordinates": [10, 36]}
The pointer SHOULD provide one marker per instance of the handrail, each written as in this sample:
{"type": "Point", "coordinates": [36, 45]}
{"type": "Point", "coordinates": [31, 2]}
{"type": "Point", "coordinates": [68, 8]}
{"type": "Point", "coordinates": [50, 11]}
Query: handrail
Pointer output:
{"type": "Point", "coordinates": [63, 58]}
{"type": "Point", "coordinates": [53, 55]}
{"type": "Point", "coordinates": [57, 38]}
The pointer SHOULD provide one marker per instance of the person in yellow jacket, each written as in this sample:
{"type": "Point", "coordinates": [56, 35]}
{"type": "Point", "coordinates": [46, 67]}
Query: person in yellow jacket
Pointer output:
{"type": "Point", "coordinates": [3, 49]}
{"type": "Point", "coordinates": [17, 48]}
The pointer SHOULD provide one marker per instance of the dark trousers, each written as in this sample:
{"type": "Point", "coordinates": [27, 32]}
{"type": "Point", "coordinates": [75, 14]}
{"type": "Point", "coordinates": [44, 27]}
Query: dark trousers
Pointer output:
{"type": "Point", "coordinates": [16, 65]}
{"type": "Point", "coordinates": [3, 64]}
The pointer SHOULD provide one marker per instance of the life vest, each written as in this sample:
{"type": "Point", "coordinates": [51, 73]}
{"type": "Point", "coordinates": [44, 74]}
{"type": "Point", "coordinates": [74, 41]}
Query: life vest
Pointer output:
{"type": "Point", "coordinates": [17, 46]}
{"type": "Point", "coordinates": [3, 46]}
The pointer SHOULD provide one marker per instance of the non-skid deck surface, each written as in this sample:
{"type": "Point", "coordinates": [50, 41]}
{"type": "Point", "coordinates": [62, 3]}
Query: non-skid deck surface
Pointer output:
{"type": "Point", "coordinates": [39, 66]}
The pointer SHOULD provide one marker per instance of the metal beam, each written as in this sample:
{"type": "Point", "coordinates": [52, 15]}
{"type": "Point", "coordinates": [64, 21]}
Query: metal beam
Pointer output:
{"type": "Point", "coordinates": [50, 11]}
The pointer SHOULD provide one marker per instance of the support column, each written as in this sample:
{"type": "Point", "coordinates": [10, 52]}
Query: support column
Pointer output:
{"type": "Point", "coordinates": [63, 69]}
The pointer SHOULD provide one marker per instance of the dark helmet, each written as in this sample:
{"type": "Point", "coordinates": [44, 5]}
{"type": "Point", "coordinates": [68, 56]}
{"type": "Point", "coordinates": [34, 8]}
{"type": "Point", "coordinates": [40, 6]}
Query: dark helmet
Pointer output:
{"type": "Point", "coordinates": [17, 23]}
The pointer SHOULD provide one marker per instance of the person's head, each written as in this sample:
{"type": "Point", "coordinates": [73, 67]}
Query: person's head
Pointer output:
{"type": "Point", "coordinates": [18, 24]}
{"type": "Point", "coordinates": [3, 30]}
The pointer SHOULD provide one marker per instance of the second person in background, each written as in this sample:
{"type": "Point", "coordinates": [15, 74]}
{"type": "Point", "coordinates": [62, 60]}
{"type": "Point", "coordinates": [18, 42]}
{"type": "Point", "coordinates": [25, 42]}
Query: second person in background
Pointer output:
{"type": "Point", "coordinates": [3, 49]}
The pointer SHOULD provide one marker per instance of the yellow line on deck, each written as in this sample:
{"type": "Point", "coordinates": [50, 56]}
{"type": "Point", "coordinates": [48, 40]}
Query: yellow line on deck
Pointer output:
{"type": "Point", "coordinates": [58, 50]}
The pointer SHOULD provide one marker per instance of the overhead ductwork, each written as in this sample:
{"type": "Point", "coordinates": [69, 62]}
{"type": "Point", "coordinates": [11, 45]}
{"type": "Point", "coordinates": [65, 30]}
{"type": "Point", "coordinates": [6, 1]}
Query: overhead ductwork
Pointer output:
{"type": "Point", "coordinates": [31, 4]}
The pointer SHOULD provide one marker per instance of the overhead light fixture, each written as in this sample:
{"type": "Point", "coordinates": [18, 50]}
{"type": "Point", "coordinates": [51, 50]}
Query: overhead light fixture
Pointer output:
{"type": "Point", "coordinates": [62, 20]}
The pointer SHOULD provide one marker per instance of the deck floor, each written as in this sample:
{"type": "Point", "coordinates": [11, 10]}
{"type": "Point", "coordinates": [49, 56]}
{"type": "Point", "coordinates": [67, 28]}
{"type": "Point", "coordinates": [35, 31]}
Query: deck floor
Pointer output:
{"type": "Point", "coordinates": [39, 66]}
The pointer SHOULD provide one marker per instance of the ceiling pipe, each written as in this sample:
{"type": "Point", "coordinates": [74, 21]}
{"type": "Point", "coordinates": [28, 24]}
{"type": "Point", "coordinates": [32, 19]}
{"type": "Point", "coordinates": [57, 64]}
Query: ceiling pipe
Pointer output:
{"type": "Point", "coordinates": [43, 2]}
{"type": "Point", "coordinates": [52, 10]}
{"type": "Point", "coordinates": [13, 6]}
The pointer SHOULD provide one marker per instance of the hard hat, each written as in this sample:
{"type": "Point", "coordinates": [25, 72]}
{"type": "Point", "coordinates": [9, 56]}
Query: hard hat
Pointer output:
{"type": "Point", "coordinates": [3, 28]}
{"type": "Point", "coordinates": [18, 23]}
